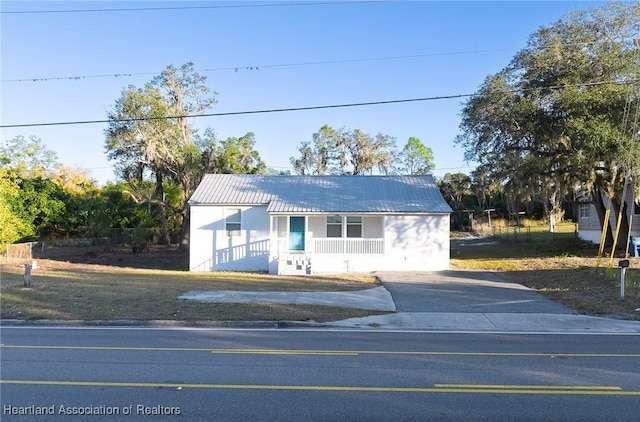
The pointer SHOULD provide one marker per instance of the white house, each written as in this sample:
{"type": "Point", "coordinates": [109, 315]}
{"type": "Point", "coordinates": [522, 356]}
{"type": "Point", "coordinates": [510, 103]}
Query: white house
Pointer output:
{"type": "Point", "coordinates": [318, 224]}
{"type": "Point", "coordinates": [589, 227]}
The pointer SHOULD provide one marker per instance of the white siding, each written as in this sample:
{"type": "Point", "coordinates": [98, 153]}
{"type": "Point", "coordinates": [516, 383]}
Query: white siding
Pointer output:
{"type": "Point", "coordinates": [372, 227]}
{"type": "Point", "coordinates": [317, 226]}
{"type": "Point", "coordinates": [282, 226]}
{"type": "Point", "coordinates": [592, 236]}
{"type": "Point", "coordinates": [212, 249]}
{"type": "Point", "coordinates": [589, 228]}
{"type": "Point", "coordinates": [412, 243]}
{"type": "Point", "coordinates": [418, 242]}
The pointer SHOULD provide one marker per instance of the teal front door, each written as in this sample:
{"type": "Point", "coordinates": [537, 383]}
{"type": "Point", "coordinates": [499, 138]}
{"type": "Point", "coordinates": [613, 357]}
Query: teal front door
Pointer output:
{"type": "Point", "coordinates": [296, 233]}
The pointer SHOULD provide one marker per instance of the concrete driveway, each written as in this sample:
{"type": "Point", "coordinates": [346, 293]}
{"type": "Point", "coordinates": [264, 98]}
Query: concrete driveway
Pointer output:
{"type": "Point", "coordinates": [477, 301]}
{"type": "Point", "coordinates": [464, 292]}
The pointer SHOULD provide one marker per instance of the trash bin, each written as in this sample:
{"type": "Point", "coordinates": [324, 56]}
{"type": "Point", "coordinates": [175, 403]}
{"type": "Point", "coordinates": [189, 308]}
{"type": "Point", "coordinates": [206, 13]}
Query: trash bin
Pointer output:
{"type": "Point", "coordinates": [633, 247]}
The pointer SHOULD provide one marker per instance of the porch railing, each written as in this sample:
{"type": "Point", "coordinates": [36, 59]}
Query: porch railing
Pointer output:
{"type": "Point", "coordinates": [338, 245]}
{"type": "Point", "coordinates": [359, 246]}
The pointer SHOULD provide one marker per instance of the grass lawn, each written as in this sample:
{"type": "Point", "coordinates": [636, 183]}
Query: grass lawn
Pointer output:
{"type": "Point", "coordinates": [558, 265]}
{"type": "Point", "coordinates": [108, 287]}
{"type": "Point", "coordinates": [67, 291]}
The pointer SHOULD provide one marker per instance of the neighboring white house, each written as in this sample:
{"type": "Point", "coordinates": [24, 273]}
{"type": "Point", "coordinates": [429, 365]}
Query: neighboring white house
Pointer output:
{"type": "Point", "coordinates": [589, 228]}
{"type": "Point", "coordinates": [318, 224]}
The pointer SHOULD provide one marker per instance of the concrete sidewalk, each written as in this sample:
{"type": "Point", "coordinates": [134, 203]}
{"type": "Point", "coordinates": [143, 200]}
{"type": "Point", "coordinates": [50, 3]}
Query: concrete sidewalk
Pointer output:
{"type": "Point", "coordinates": [379, 298]}
{"type": "Point", "coordinates": [493, 322]}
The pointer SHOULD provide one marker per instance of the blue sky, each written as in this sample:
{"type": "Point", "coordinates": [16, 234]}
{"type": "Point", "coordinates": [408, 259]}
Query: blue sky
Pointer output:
{"type": "Point", "coordinates": [307, 53]}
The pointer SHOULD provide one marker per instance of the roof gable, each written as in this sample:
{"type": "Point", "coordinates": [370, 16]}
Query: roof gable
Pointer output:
{"type": "Point", "coordinates": [323, 194]}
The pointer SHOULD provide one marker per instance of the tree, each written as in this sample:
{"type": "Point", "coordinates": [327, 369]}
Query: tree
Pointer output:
{"type": "Point", "coordinates": [365, 154]}
{"type": "Point", "coordinates": [345, 151]}
{"type": "Point", "coordinates": [12, 227]}
{"type": "Point", "coordinates": [40, 206]}
{"type": "Point", "coordinates": [238, 156]}
{"type": "Point", "coordinates": [456, 190]}
{"type": "Point", "coordinates": [151, 137]}
{"type": "Point", "coordinates": [416, 158]}
{"type": "Point", "coordinates": [29, 157]}
{"type": "Point", "coordinates": [316, 156]}
{"type": "Point", "coordinates": [551, 120]}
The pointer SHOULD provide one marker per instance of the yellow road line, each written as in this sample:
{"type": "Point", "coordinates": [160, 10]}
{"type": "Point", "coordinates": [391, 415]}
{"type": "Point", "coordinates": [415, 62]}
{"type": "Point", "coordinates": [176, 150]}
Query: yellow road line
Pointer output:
{"type": "Point", "coordinates": [285, 352]}
{"type": "Point", "coordinates": [477, 389]}
{"type": "Point", "coordinates": [533, 387]}
{"type": "Point", "coordinates": [107, 348]}
{"type": "Point", "coordinates": [325, 352]}
{"type": "Point", "coordinates": [421, 353]}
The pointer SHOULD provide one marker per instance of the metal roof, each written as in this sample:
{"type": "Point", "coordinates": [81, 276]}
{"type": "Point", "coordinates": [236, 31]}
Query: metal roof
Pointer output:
{"type": "Point", "coordinates": [323, 194]}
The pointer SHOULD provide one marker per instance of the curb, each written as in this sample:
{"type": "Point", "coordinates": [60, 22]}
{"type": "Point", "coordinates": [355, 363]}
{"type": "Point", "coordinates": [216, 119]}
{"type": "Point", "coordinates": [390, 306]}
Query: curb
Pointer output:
{"type": "Point", "coordinates": [160, 323]}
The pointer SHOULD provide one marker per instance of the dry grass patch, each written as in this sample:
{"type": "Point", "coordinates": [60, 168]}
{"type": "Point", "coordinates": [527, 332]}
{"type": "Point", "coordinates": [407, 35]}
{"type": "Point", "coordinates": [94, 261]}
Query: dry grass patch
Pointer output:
{"type": "Point", "coordinates": [558, 266]}
{"type": "Point", "coordinates": [97, 292]}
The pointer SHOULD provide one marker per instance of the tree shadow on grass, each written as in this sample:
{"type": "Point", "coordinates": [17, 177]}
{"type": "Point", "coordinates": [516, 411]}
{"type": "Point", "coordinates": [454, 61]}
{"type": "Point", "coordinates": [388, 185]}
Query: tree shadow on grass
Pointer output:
{"type": "Point", "coordinates": [154, 258]}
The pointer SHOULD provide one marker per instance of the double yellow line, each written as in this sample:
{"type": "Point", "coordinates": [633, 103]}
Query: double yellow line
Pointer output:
{"type": "Point", "coordinates": [417, 353]}
{"type": "Point", "coordinates": [437, 388]}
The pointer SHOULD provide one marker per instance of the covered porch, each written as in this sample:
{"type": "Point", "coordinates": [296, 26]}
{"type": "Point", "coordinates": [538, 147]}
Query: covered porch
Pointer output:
{"type": "Point", "coordinates": [304, 244]}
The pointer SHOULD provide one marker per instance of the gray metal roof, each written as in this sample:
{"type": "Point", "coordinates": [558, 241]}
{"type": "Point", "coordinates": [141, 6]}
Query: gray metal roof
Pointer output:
{"type": "Point", "coordinates": [323, 194]}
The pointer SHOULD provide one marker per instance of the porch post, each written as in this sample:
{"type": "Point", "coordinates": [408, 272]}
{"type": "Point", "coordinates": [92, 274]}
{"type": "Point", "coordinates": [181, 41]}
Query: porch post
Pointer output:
{"type": "Point", "coordinates": [271, 243]}
{"type": "Point", "coordinates": [288, 235]}
{"type": "Point", "coordinates": [344, 234]}
{"type": "Point", "coordinates": [384, 234]}
{"type": "Point", "coordinates": [306, 232]}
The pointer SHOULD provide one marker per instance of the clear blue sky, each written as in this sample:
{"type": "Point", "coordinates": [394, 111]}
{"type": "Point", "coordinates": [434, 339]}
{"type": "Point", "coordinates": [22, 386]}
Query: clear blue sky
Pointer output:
{"type": "Point", "coordinates": [307, 53]}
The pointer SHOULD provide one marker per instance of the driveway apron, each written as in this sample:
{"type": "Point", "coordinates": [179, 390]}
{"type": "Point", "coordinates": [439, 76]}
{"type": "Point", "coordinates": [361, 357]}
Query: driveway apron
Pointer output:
{"type": "Point", "coordinates": [457, 291]}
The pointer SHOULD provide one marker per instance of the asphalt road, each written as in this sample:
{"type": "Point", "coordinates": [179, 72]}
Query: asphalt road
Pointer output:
{"type": "Point", "coordinates": [315, 375]}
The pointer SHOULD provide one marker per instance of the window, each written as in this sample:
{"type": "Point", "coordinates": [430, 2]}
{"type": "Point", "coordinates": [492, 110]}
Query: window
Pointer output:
{"type": "Point", "coordinates": [334, 226]}
{"type": "Point", "coordinates": [233, 222]}
{"type": "Point", "coordinates": [354, 226]}
{"type": "Point", "coordinates": [584, 211]}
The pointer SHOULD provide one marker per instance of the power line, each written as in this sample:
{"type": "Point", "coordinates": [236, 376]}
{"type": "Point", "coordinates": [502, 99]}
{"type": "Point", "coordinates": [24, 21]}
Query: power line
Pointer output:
{"type": "Point", "coordinates": [257, 67]}
{"type": "Point", "coordinates": [226, 6]}
{"type": "Point", "coordinates": [236, 113]}
{"type": "Point", "coordinates": [266, 66]}
{"type": "Point", "coordinates": [281, 110]}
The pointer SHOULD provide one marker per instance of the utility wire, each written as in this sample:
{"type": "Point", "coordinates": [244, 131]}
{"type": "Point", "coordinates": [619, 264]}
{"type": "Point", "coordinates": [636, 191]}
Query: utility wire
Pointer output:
{"type": "Point", "coordinates": [281, 110]}
{"type": "Point", "coordinates": [256, 67]}
{"type": "Point", "coordinates": [266, 66]}
{"type": "Point", "coordinates": [236, 113]}
{"type": "Point", "coordinates": [226, 6]}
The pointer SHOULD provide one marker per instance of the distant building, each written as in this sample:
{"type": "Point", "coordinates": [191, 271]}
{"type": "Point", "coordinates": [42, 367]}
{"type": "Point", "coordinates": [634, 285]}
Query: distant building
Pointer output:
{"type": "Point", "coordinates": [589, 228]}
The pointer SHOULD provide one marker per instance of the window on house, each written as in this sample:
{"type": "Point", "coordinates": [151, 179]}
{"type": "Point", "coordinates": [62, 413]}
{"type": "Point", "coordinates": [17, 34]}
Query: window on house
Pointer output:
{"type": "Point", "coordinates": [636, 208]}
{"type": "Point", "coordinates": [354, 226]}
{"type": "Point", "coordinates": [334, 226]}
{"type": "Point", "coordinates": [233, 222]}
{"type": "Point", "coordinates": [584, 211]}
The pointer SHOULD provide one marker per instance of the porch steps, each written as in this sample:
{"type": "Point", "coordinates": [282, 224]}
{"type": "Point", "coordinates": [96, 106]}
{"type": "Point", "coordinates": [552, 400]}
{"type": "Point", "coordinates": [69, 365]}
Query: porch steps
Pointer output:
{"type": "Point", "coordinates": [296, 264]}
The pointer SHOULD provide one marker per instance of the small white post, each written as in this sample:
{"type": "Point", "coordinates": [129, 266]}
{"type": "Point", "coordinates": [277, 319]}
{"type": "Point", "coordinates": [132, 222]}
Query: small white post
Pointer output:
{"type": "Point", "coordinates": [623, 264]}
{"type": "Point", "coordinates": [27, 275]}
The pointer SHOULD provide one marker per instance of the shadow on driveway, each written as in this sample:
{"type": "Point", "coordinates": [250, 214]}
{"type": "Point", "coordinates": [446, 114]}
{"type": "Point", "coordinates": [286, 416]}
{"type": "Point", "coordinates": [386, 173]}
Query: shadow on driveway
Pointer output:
{"type": "Point", "coordinates": [464, 292]}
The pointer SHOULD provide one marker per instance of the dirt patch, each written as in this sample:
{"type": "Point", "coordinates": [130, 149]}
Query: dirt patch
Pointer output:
{"type": "Point", "coordinates": [86, 259]}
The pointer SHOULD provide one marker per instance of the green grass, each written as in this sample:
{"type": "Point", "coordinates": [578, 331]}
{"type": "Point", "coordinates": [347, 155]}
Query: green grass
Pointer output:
{"type": "Point", "coordinates": [105, 293]}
